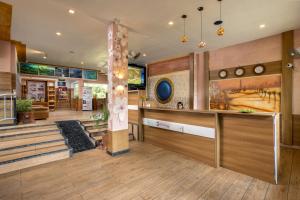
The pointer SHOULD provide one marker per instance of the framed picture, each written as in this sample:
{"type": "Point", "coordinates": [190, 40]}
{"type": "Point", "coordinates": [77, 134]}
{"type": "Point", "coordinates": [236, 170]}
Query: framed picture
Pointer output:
{"type": "Point", "coordinates": [29, 68]}
{"type": "Point", "coordinates": [90, 74]}
{"type": "Point", "coordinates": [46, 70]}
{"type": "Point", "coordinates": [75, 73]}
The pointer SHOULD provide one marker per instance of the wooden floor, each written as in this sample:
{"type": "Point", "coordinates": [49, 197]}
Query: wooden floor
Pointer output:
{"type": "Point", "coordinates": [147, 172]}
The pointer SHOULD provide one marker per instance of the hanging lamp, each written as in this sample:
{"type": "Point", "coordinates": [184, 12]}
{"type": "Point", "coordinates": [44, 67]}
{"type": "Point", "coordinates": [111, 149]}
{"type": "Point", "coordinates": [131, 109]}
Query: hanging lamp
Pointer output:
{"type": "Point", "coordinates": [220, 30]}
{"type": "Point", "coordinates": [184, 38]}
{"type": "Point", "coordinates": [201, 43]}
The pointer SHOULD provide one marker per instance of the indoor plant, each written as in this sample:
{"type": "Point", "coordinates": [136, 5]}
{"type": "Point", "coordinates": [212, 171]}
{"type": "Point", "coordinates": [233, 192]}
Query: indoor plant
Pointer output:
{"type": "Point", "coordinates": [24, 111]}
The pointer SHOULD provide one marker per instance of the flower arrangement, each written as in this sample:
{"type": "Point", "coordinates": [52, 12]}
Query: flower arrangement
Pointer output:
{"type": "Point", "coordinates": [101, 116]}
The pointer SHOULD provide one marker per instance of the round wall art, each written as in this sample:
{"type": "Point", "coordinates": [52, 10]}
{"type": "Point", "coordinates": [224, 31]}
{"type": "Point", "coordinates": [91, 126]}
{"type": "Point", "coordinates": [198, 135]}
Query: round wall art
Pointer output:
{"type": "Point", "coordinates": [164, 90]}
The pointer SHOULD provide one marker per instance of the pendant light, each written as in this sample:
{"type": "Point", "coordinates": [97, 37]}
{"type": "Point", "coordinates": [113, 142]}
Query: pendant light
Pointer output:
{"type": "Point", "coordinates": [220, 30]}
{"type": "Point", "coordinates": [184, 38]}
{"type": "Point", "coordinates": [201, 43]}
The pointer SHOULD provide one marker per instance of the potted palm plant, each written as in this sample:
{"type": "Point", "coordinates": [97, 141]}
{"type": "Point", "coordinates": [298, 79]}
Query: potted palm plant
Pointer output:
{"type": "Point", "coordinates": [24, 111]}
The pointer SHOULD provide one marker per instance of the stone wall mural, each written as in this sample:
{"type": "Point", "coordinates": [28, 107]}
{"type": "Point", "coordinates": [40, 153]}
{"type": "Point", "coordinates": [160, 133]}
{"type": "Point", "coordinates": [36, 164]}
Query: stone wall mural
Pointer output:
{"type": "Point", "coordinates": [181, 89]}
{"type": "Point", "coordinates": [260, 94]}
{"type": "Point", "coordinates": [117, 77]}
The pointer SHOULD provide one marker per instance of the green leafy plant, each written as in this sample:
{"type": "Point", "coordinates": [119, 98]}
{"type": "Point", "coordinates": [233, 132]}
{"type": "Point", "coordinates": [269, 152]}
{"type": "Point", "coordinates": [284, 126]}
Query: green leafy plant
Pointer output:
{"type": "Point", "coordinates": [101, 116]}
{"type": "Point", "coordinates": [246, 111]}
{"type": "Point", "coordinates": [24, 105]}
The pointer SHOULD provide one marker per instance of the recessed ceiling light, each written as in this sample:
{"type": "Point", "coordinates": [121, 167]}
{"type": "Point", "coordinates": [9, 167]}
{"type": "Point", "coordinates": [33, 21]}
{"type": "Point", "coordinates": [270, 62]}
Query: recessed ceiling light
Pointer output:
{"type": "Point", "coordinates": [58, 33]}
{"type": "Point", "coordinates": [44, 57]}
{"type": "Point", "coordinates": [82, 62]}
{"type": "Point", "coordinates": [171, 23]}
{"type": "Point", "coordinates": [262, 26]}
{"type": "Point", "coordinates": [71, 11]}
{"type": "Point", "coordinates": [144, 54]}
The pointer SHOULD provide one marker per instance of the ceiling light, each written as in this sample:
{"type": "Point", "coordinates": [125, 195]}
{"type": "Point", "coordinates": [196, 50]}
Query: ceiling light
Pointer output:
{"type": "Point", "coordinates": [144, 54]}
{"type": "Point", "coordinates": [58, 33]}
{"type": "Point", "coordinates": [44, 57]}
{"type": "Point", "coordinates": [262, 26]}
{"type": "Point", "coordinates": [171, 23]}
{"type": "Point", "coordinates": [71, 11]}
{"type": "Point", "coordinates": [82, 63]}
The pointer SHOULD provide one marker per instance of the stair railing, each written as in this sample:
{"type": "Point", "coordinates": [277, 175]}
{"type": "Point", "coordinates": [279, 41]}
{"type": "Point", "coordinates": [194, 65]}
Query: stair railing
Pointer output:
{"type": "Point", "coordinates": [9, 100]}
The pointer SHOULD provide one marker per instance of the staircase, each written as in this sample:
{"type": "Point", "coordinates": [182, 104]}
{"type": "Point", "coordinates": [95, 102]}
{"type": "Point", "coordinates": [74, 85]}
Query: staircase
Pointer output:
{"type": "Point", "coordinates": [95, 132]}
{"type": "Point", "coordinates": [26, 146]}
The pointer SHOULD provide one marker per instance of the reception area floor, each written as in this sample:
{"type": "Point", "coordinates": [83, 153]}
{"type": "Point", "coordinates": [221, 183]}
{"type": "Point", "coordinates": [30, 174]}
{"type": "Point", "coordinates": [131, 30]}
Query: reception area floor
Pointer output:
{"type": "Point", "coordinates": [147, 172]}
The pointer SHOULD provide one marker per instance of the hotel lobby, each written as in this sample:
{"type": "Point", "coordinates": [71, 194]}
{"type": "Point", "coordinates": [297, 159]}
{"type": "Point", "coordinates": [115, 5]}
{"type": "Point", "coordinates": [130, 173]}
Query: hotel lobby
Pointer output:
{"type": "Point", "coordinates": [194, 99]}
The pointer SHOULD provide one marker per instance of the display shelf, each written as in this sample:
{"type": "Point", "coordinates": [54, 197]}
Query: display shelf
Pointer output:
{"type": "Point", "coordinates": [51, 97]}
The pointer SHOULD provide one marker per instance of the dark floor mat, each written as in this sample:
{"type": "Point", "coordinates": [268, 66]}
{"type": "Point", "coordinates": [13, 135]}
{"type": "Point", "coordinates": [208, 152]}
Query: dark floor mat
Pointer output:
{"type": "Point", "coordinates": [77, 139]}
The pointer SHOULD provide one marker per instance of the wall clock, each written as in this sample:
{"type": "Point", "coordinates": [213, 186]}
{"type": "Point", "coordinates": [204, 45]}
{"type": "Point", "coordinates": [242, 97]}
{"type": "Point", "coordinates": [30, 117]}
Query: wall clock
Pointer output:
{"type": "Point", "coordinates": [164, 90]}
{"type": "Point", "coordinates": [223, 73]}
{"type": "Point", "coordinates": [239, 71]}
{"type": "Point", "coordinates": [259, 69]}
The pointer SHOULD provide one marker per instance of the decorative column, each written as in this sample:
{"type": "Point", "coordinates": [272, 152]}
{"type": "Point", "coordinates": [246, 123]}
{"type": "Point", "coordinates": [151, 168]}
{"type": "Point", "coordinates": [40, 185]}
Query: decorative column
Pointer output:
{"type": "Point", "coordinates": [117, 138]}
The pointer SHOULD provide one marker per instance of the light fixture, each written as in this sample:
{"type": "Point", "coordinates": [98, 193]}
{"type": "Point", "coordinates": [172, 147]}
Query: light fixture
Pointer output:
{"type": "Point", "coordinates": [184, 38]}
{"type": "Point", "coordinates": [45, 57]}
{"type": "Point", "coordinates": [58, 33]}
{"type": "Point", "coordinates": [71, 11]}
{"type": "Point", "coordinates": [220, 30]}
{"type": "Point", "coordinates": [201, 43]}
{"type": "Point", "coordinates": [262, 26]}
{"type": "Point", "coordinates": [171, 23]}
{"type": "Point", "coordinates": [144, 54]}
{"type": "Point", "coordinates": [82, 63]}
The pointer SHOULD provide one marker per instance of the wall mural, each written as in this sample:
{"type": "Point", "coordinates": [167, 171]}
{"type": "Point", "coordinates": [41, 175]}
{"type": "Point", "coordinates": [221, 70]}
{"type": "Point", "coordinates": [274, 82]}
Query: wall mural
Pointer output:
{"type": "Point", "coordinates": [260, 94]}
{"type": "Point", "coordinates": [117, 77]}
{"type": "Point", "coordinates": [181, 89]}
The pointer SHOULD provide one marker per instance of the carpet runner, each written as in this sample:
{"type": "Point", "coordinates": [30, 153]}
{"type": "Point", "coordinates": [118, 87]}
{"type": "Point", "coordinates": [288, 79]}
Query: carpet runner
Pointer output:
{"type": "Point", "coordinates": [77, 139]}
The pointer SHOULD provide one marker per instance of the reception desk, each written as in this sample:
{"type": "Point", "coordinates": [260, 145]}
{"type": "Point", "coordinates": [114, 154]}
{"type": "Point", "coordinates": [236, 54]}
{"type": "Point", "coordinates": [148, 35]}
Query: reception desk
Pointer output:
{"type": "Point", "coordinates": [246, 143]}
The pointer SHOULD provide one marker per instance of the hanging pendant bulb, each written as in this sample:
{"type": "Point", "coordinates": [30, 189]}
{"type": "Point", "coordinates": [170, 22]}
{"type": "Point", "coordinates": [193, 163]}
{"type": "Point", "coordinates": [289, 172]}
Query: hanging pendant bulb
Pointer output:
{"type": "Point", "coordinates": [220, 30]}
{"type": "Point", "coordinates": [184, 38]}
{"type": "Point", "coordinates": [201, 43]}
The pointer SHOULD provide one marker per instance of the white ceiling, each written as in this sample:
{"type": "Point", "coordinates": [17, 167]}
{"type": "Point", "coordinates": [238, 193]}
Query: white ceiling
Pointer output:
{"type": "Point", "coordinates": [35, 23]}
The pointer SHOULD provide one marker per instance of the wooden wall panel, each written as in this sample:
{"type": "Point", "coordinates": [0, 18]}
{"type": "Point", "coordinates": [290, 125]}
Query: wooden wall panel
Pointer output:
{"type": "Point", "coordinates": [133, 116]}
{"type": "Point", "coordinates": [6, 81]}
{"type": "Point", "coordinates": [21, 50]}
{"type": "Point", "coordinates": [287, 88]}
{"type": "Point", "coordinates": [200, 119]}
{"type": "Point", "coordinates": [247, 146]}
{"type": "Point", "coordinates": [192, 71]}
{"type": "Point", "coordinates": [133, 98]}
{"type": "Point", "coordinates": [200, 148]}
{"type": "Point", "coordinates": [296, 130]}
{"type": "Point", "coordinates": [168, 66]}
{"type": "Point", "coordinates": [5, 21]}
{"type": "Point", "coordinates": [271, 68]}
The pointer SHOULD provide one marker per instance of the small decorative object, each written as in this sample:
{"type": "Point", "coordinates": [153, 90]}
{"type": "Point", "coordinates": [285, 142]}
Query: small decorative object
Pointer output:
{"type": "Point", "coordinates": [180, 105]}
{"type": "Point", "coordinates": [184, 38]}
{"type": "Point", "coordinates": [220, 30]}
{"type": "Point", "coordinates": [246, 111]}
{"type": "Point", "coordinates": [24, 111]}
{"type": "Point", "coordinates": [239, 71]}
{"type": "Point", "coordinates": [201, 43]}
{"type": "Point", "coordinates": [164, 90]}
{"type": "Point", "coordinates": [102, 116]}
{"type": "Point", "coordinates": [259, 69]}
{"type": "Point", "coordinates": [223, 73]}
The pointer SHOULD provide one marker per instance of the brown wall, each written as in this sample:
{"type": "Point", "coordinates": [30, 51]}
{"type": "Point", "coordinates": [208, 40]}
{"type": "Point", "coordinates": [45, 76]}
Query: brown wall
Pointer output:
{"type": "Point", "coordinates": [296, 91]}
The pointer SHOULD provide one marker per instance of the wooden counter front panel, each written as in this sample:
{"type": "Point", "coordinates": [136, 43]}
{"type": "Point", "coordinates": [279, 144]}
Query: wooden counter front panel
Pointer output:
{"type": "Point", "coordinates": [199, 148]}
{"type": "Point", "coordinates": [200, 119]}
{"type": "Point", "coordinates": [247, 145]}
{"type": "Point", "coordinates": [133, 116]}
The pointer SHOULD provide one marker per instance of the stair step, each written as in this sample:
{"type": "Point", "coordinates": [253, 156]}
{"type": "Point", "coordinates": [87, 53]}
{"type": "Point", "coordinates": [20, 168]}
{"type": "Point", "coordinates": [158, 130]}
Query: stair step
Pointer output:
{"type": "Point", "coordinates": [17, 156]}
{"type": "Point", "coordinates": [18, 131]}
{"type": "Point", "coordinates": [30, 147]}
{"type": "Point", "coordinates": [97, 130]}
{"type": "Point", "coordinates": [25, 126]}
{"type": "Point", "coordinates": [28, 135]}
{"type": "Point", "coordinates": [34, 160]}
{"type": "Point", "coordinates": [29, 141]}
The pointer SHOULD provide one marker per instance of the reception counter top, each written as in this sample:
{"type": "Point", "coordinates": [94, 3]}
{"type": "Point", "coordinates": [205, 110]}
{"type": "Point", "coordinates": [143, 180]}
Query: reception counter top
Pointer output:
{"type": "Point", "coordinates": [244, 142]}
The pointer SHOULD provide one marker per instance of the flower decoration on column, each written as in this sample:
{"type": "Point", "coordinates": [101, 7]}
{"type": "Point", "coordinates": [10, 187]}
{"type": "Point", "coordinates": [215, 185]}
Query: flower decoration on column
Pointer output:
{"type": "Point", "coordinates": [117, 76]}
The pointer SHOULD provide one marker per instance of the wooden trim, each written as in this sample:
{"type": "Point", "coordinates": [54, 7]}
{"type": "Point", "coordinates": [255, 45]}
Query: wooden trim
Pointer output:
{"type": "Point", "coordinates": [21, 50]}
{"type": "Point", "coordinates": [6, 81]}
{"type": "Point", "coordinates": [287, 88]}
{"type": "Point", "coordinates": [5, 21]}
{"type": "Point", "coordinates": [206, 79]}
{"type": "Point", "coordinates": [217, 141]}
{"type": "Point", "coordinates": [192, 67]}
{"type": "Point", "coordinates": [271, 68]}
{"type": "Point", "coordinates": [296, 130]}
{"type": "Point", "coordinates": [169, 66]}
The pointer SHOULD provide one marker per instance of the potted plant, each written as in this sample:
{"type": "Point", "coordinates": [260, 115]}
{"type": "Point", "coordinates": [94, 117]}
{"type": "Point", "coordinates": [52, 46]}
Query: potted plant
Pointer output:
{"type": "Point", "coordinates": [24, 111]}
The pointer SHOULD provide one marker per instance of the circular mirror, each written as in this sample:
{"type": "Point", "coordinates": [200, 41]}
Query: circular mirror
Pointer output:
{"type": "Point", "coordinates": [164, 90]}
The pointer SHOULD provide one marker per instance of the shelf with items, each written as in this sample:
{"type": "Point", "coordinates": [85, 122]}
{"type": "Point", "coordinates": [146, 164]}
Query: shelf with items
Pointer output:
{"type": "Point", "coordinates": [51, 96]}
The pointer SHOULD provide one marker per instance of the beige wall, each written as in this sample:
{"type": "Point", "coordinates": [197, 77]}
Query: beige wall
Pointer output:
{"type": "Point", "coordinates": [296, 88]}
{"type": "Point", "coordinates": [199, 82]}
{"type": "Point", "coordinates": [5, 56]}
{"type": "Point", "coordinates": [258, 51]}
